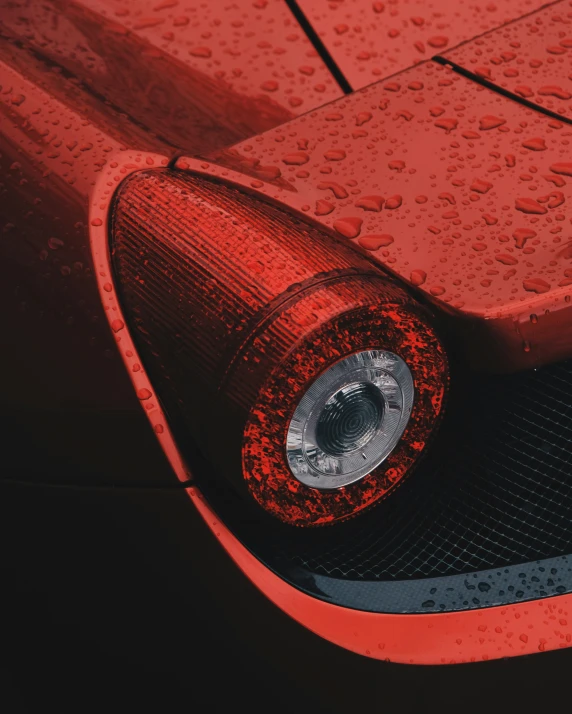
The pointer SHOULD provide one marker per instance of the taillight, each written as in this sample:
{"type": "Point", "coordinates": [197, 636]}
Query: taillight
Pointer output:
{"type": "Point", "coordinates": [349, 419]}
{"type": "Point", "coordinates": [305, 376]}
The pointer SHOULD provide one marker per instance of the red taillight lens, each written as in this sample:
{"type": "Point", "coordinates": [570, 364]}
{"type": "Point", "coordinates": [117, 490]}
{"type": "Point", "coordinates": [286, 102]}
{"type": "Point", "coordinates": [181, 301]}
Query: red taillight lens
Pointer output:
{"type": "Point", "coordinates": [246, 319]}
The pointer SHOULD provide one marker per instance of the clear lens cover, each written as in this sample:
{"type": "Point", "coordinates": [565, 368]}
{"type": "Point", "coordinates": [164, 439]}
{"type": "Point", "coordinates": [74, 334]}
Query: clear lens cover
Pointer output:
{"type": "Point", "coordinates": [350, 419]}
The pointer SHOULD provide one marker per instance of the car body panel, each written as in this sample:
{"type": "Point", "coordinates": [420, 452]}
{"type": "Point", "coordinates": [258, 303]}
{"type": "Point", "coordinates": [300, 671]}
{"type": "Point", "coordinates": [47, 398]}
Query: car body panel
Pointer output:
{"type": "Point", "coordinates": [456, 200]}
{"type": "Point", "coordinates": [65, 111]}
{"type": "Point", "coordinates": [439, 638]}
{"type": "Point", "coordinates": [194, 93]}
{"type": "Point", "coordinates": [57, 346]}
{"type": "Point", "coordinates": [529, 57]}
{"type": "Point", "coordinates": [72, 130]}
{"type": "Point", "coordinates": [371, 40]}
{"type": "Point", "coordinates": [436, 638]}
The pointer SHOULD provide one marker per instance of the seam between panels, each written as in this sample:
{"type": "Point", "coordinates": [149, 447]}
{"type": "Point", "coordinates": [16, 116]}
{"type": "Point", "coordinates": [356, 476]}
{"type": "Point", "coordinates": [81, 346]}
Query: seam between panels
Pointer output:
{"type": "Point", "coordinates": [86, 486]}
{"type": "Point", "coordinates": [499, 90]}
{"type": "Point", "coordinates": [319, 46]}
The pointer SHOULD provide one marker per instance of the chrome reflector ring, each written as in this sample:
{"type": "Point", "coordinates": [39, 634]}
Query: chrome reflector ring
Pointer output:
{"type": "Point", "coordinates": [350, 419]}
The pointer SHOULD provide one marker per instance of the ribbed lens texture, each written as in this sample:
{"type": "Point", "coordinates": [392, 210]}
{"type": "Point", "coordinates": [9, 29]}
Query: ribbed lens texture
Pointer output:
{"type": "Point", "coordinates": [350, 419]}
{"type": "Point", "coordinates": [236, 307]}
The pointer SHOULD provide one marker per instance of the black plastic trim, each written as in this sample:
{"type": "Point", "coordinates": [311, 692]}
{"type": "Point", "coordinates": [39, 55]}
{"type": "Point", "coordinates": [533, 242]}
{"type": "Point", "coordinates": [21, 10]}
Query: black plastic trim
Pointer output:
{"type": "Point", "coordinates": [471, 591]}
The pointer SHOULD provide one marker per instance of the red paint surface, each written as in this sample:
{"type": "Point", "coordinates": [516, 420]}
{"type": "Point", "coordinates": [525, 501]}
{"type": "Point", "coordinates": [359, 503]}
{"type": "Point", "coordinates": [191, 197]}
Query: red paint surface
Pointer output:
{"type": "Point", "coordinates": [372, 40]}
{"type": "Point", "coordinates": [100, 200]}
{"type": "Point", "coordinates": [50, 157]}
{"type": "Point", "coordinates": [531, 57]}
{"type": "Point", "coordinates": [465, 636]}
{"type": "Point", "coordinates": [254, 47]}
{"type": "Point", "coordinates": [65, 110]}
{"type": "Point", "coordinates": [57, 345]}
{"type": "Point", "coordinates": [57, 140]}
{"type": "Point", "coordinates": [441, 638]}
{"type": "Point", "coordinates": [447, 169]}
{"type": "Point", "coordinates": [195, 74]}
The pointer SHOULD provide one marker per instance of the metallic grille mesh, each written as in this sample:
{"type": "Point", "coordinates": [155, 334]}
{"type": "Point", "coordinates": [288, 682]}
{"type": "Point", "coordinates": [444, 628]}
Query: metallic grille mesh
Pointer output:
{"type": "Point", "coordinates": [496, 490]}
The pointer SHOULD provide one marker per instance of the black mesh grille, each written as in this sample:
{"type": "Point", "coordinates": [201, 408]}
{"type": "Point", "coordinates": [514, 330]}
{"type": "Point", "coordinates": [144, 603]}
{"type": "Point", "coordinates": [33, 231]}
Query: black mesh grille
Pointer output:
{"type": "Point", "coordinates": [495, 490]}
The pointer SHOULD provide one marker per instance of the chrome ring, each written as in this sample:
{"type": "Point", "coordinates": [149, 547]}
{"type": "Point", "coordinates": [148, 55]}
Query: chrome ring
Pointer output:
{"type": "Point", "coordinates": [306, 453]}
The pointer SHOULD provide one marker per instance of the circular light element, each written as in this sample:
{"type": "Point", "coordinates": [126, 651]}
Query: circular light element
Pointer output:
{"type": "Point", "coordinates": [353, 414]}
{"type": "Point", "coordinates": [350, 419]}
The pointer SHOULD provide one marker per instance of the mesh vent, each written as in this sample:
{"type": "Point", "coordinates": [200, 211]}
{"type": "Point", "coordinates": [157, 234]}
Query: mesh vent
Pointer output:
{"type": "Point", "coordinates": [496, 490]}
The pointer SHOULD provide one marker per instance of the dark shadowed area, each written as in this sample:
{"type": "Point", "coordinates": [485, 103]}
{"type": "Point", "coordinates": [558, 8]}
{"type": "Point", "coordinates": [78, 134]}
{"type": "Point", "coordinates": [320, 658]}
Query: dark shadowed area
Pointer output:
{"type": "Point", "coordinates": [117, 600]}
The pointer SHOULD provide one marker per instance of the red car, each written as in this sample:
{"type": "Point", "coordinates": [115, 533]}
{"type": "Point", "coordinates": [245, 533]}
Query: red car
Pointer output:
{"type": "Point", "coordinates": [304, 269]}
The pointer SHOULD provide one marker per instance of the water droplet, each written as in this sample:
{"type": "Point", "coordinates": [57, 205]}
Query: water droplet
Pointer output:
{"type": "Point", "coordinates": [529, 205]}
{"type": "Point", "coordinates": [562, 168]}
{"type": "Point", "coordinates": [55, 243]}
{"type": "Point", "coordinates": [447, 197]}
{"type": "Point", "coordinates": [341, 29]}
{"type": "Point", "coordinates": [271, 85]}
{"type": "Point", "coordinates": [555, 91]}
{"type": "Point", "coordinates": [370, 203]}
{"type": "Point", "coordinates": [490, 122]}
{"type": "Point", "coordinates": [405, 114]}
{"type": "Point", "coordinates": [146, 22]}
{"type": "Point", "coordinates": [521, 235]}
{"type": "Point", "coordinates": [335, 188]}
{"type": "Point", "coordinates": [362, 118]}
{"type": "Point", "coordinates": [204, 52]}
{"type": "Point", "coordinates": [436, 111]}
{"type": "Point", "coordinates": [417, 277]}
{"type": "Point", "coordinates": [297, 158]}
{"type": "Point", "coordinates": [438, 42]}
{"type": "Point", "coordinates": [323, 207]}
{"type": "Point", "coordinates": [554, 198]}
{"type": "Point", "coordinates": [506, 259]}
{"type": "Point", "coordinates": [536, 285]}
{"type": "Point", "coordinates": [375, 242]}
{"type": "Point", "coordinates": [335, 155]}
{"type": "Point", "coordinates": [481, 186]}
{"type": "Point", "coordinates": [536, 144]}
{"type": "Point", "coordinates": [523, 90]}
{"type": "Point", "coordinates": [348, 227]}
{"type": "Point", "coordinates": [394, 202]}
{"type": "Point", "coordinates": [447, 124]}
